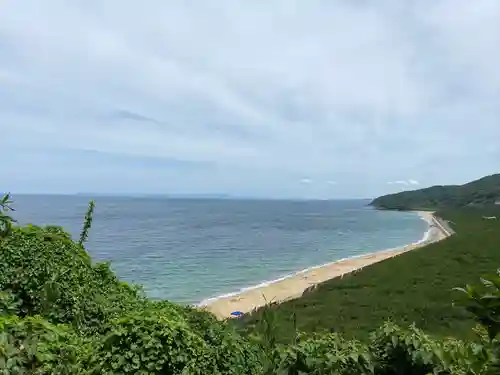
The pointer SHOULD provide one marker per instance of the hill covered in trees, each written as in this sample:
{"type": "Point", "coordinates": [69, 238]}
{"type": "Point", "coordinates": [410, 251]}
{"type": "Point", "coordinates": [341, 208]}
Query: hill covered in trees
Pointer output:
{"type": "Point", "coordinates": [482, 192]}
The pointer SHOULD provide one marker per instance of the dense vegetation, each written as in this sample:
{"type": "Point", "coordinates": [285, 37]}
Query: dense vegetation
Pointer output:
{"type": "Point", "coordinates": [482, 192]}
{"type": "Point", "coordinates": [60, 313]}
{"type": "Point", "coordinates": [414, 288]}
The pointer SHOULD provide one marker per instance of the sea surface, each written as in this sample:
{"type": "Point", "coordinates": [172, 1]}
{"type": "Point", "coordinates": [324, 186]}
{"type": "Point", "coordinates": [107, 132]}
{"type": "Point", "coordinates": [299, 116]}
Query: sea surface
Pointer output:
{"type": "Point", "coordinates": [189, 250]}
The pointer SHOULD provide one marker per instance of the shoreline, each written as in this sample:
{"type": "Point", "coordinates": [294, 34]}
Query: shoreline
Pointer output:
{"type": "Point", "coordinates": [294, 285]}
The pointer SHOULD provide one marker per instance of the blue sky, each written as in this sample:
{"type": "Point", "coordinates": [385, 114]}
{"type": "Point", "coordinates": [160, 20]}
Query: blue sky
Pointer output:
{"type": "Point", "coordinates": [309, 99]}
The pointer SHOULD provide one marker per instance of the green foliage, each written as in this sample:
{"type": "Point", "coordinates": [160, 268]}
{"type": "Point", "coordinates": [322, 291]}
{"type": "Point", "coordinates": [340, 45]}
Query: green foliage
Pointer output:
{"type": "Point", "coordinates": [326, 354]}
{"type": "Point", "coordinates": [231, 353]}
{"type": "Point", "coordinates": [163, 339]}
{"type": "Point", "coordinates": [62, 314]}
{"type": "Point", "coordinates": [413, 352]}
{"type": "Point", "coordinates": [9, 305]}
{"type": "Point", "coordinates": [151, 342]}
{"type": "Point", "coordinates": [265, 339]}
{"type": "Point", "coordinates": [483, 301]}
{"type": "Point", "coordinates": [87, 224]}
{"type": "Point", "coordinates": [5, 220]}
{"type": "Point", "coordinates": [48, 274]}
{"type": "Point", "coordinates": [485, 191]}
{"type": "Point", "coordinates": [33, 346]}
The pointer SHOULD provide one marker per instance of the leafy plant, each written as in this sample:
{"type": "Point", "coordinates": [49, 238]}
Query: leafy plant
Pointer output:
{"type": "Point", "coordinates": [152, 341]}
{"type": "Point", "coordinates": [5, 220]}
{"type": "Point", "coordinates": [87, 224]}
{"type": "Point", "coordinates": [49, 274]}
{"type": "Point", "coordinates": [483, 302]}
{"type": "Point", "coordinates": [9, 305]}
{"type": "Point", "coordinates": [326, 354]}
{"type": "Point", "coordinates": [34, 346]}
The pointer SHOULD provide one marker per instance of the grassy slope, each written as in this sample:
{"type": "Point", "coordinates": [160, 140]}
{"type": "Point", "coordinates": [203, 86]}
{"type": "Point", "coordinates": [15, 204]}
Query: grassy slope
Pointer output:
{"type": "Point", "coordinates": [415, 287]}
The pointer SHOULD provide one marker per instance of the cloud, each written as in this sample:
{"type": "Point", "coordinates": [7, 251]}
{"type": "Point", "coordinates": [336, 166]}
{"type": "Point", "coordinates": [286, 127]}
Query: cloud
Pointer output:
{"type": "Point", "coordinates": [403, 182]}
{"type": "Point", "coordinates": [306, 181]}
{"type": "Point", "coordinates": [249, 97]}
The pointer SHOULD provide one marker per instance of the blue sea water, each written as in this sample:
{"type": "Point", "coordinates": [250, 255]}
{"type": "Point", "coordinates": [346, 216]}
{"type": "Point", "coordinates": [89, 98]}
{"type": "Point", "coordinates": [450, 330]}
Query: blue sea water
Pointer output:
{"type": "Point", "coordinates": [188, 250]}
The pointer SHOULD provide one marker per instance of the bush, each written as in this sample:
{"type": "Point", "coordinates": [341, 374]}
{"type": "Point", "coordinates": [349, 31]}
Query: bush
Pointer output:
{"type": "Point", "coordinates": [46, 273]}
{"type": "Point", "coordinates": [483, 301]}
{"type": "Point", "coordinates": [413, 352]}
{"type": "Point", "coordinates": [34, 346]}
{"type": "Point", "coordinates": [161, 341]}
{"type": "Point", "coordinates": [231, 352]}
{"type": "Point", "coordinates": [153, 342]}
{"type": "Point", "coordinates": [326, 354]}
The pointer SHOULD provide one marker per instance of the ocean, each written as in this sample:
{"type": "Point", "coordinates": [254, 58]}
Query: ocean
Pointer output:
{"type": "Point", "coordinates": [190, 250]}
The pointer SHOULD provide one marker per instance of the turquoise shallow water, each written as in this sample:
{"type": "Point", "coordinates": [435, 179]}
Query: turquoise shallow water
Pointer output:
{"type": "Point", "coordinates": [188, 250]}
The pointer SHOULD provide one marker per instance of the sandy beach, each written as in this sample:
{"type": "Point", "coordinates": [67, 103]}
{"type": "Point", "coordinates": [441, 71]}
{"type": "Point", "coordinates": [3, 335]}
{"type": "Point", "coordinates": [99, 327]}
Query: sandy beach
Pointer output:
{"type": "Point", "coordinates": [294, 286]}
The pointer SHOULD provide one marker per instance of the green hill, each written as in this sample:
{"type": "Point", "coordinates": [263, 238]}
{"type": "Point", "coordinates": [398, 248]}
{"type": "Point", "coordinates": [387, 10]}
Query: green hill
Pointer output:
{"type": "Point", "coordinates": [482, 192]}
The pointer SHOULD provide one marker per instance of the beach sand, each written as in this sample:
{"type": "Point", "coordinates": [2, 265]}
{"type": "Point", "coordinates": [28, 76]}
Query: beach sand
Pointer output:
{"type": "Point", "coordinates": [294, 286]}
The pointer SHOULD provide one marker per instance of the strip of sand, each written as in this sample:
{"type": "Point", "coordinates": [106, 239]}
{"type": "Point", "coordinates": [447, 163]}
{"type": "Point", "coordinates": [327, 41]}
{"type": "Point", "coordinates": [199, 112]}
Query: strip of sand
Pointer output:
{"type": "Point", "coordinates": [294, 286]}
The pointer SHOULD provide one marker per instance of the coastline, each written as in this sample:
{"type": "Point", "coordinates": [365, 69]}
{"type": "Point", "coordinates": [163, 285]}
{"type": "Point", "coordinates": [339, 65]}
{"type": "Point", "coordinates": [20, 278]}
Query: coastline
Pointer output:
{"type": "Point", "coordinates": [293, 286]}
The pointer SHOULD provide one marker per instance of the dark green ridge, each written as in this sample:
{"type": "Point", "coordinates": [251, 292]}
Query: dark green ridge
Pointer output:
{"type": "Point", "coordinates": [479, 193]}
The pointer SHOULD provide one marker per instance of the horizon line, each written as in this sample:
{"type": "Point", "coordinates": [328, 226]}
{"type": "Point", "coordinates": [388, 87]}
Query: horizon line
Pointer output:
{"type": "Point", "coordinates": [215, 196]}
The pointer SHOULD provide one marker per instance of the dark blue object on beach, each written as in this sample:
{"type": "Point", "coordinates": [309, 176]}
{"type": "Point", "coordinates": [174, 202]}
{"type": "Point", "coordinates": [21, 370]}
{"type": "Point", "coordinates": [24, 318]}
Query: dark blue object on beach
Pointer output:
{"type": "Point", "coordinates": [237, 313]}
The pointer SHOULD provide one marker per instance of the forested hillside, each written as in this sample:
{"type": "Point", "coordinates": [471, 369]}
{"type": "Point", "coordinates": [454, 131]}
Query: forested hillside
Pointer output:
{"type": "Point", "coordinates": [482, 192]}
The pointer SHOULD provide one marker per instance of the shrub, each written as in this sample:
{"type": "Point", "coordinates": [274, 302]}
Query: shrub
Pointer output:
{"type": "Point", "coordinates": [483, 302]}
{"type": "Point", "coordinates": [413, 352]}
{"type": "Point", "coordinates": [326, 354]}
{"type": "Point", "coordinates": [231, 352]}
{"type": "Point", "coordinates": [34, 346]}
{"type": "Point", "coordinates": [46, 273]}
{"type": "Point", "coordinates": [152, 342]}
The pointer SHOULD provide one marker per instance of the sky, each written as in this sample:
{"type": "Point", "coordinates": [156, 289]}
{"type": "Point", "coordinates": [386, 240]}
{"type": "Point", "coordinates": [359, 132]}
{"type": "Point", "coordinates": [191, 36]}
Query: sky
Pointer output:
{"type": "Point", "coordinates": [279, 99]}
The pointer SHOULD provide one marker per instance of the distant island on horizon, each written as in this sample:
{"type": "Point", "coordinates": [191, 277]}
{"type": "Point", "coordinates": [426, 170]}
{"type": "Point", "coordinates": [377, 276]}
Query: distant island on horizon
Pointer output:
{"type": "Point", "coordinates": [215, 196]}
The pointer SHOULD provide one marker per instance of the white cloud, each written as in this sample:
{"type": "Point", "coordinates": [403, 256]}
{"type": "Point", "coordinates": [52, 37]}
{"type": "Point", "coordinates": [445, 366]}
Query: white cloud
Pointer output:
{"type": "Point", "coordinates": [306, 181]}
{"type": "Point", "coordinates": [363, 91]}
{"type": "Point", "coordinates": [403, 182]}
